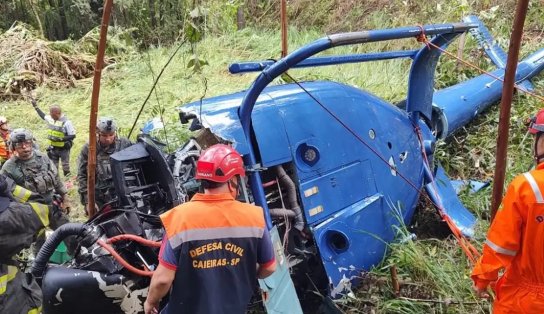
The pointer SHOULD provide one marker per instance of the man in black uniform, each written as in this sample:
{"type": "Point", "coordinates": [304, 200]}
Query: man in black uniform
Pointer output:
{"type": "Point", "coordinates": [20, 224]}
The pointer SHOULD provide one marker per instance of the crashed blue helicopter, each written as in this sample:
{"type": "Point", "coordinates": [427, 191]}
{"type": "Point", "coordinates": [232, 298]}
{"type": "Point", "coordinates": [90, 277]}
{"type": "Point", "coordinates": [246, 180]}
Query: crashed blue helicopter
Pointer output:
{"type": "Point", "coordinates": [332, 175]}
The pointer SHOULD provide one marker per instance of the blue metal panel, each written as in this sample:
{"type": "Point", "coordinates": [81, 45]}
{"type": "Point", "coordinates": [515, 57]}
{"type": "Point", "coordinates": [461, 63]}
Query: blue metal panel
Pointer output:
{"type": "Point", "coordinates": [270, 134]}
{"type": "Point", "coordinates": [256, 66]}
{"type": "Point", "coordinates": [337, 189]}
{"type": "Point", "coordinates": [443, 194]}
{"type": "Point", "coordinates": [421, 81]}
{"type": "Point", "coordinates": [385, 128]}
{"type": "Point", "coordinates": [353, 240]}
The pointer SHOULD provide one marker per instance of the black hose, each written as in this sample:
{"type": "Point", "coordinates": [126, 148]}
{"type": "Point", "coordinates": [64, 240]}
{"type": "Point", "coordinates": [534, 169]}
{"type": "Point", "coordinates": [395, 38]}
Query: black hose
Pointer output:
{"type": "Point", "coordinates": [282, 212]}
{"type": "Point", "coordinates": [48, 248]}
{"type": "Point", "coordinates": [291, 190]}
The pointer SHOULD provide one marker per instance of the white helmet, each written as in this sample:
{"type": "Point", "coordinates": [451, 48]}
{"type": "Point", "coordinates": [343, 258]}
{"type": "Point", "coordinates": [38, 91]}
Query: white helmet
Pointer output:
{"type": "Point", "coordinates": [3, 120]}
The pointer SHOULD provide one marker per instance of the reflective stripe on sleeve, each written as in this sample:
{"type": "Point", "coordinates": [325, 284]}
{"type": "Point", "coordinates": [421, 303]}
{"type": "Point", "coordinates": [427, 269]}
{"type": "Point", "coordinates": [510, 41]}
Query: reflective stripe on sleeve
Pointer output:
{"type": "Point", "coordinates": [499, 249]}
{"type": "Point", "coordinates": [37, 310]}
{"type": "Point", "coordinates": [12, 271]}
{"type": "Point", "coordinates": [21, 194]}
{"type": "Point", "coordinates": [42, 211]}
{"type": "Point", "coordinates": [534, 186]}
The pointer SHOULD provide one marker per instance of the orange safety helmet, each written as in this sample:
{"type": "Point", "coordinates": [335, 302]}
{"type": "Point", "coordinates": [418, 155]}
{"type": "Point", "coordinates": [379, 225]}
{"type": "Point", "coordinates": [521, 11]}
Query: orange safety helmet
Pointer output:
{"type": "Point", "coordinates": [536, 123]}
{"type": "Point", "coordinates": [219, 163]}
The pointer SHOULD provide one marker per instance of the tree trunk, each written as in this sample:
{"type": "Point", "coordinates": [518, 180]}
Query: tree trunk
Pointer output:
{"type": "Point", "coordinates": [151, 4]}
{"type": "Point", "coordinates": [63, 23]}
{"type": "Point", "coordinates": [37, 17]}
{"type": "Point", "coordinates": [240, 18]}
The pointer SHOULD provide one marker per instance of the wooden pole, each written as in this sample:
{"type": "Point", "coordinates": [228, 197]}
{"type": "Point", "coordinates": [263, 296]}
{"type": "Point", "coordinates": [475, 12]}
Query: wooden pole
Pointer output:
{"type": "Point", "coordinates": [283, 16]}
{"type": "Point", "coordinates": [91, 165]}
{"type": "Point", "coordinates": [506, 104]}
{"type": "Point", "coordinates": [395, 280]}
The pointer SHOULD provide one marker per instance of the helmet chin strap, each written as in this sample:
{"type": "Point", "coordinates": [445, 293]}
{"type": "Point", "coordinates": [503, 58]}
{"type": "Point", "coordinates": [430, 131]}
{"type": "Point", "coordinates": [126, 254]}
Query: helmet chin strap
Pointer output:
{"type": "Point", "coordinates": [537, 157]}
{"type": "Point", "coordinates": [233, 188]}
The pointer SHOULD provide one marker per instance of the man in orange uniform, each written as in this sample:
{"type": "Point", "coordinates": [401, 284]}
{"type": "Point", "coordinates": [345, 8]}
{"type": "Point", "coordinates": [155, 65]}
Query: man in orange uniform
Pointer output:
{"type": "Point", "coordinates": [214, 247]}
{"type": "Point", "coordinates": [4, 140]}
{"type": "Point", "coordinates": [515, 240]}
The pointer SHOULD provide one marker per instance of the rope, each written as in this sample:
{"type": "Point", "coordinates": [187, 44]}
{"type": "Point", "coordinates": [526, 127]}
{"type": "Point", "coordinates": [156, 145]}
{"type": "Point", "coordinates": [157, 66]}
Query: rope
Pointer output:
{"type": "Point", "coordinates": [422, 38]}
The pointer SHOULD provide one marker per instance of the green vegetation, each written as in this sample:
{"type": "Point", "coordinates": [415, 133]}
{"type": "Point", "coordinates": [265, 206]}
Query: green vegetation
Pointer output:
{"type": "Point", "coordinates": [434, 273]}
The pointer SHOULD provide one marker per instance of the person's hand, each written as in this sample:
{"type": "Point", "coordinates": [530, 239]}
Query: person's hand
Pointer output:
{"type": "Point", "coordinates": [150, 308]}
{"type": "Point", "coordinates": [66, 205]}
{"type": "Point", "coordinates": [480, 292]}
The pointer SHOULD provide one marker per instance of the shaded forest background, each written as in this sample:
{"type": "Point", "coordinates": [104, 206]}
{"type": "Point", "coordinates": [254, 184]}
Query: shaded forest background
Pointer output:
{"type": "Point", "coordinates": [159, 22]}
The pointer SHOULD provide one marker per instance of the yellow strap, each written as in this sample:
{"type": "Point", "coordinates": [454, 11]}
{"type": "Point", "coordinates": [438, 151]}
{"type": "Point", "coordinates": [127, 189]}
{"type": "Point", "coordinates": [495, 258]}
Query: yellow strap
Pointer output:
{"type": "Point", "coordinates": [21, 194]}
{"type": "Point", "coordinates": [37, 310]}
{"type": "Point", "coordinates": [56, 144]}
{"type": "Point", "coordinates": [12, 271]}
{"type": "Point", "coordinates": [42, 211]}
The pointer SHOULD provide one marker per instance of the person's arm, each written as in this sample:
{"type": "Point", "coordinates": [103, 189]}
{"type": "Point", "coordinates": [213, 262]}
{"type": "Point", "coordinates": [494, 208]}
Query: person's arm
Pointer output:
{"type": "Point", "coordinates": [265, 256]}
{"type": "Point", "coordinates": [69, 131]}
{"type": "Point", "coordinates": [502, 243]}
{"type": "Point", "coordinates": [160, 285]}
{"type": "Point", "coordinates": [82, 173]}
{"type": "Point", "coordinates": [10, 170]}
{"type": "Point", "coordinates": [164, 275]}
{"type": "Point", "coordinates": [20, 223]}
{"type": "Point", "coordinates": [38, 110]}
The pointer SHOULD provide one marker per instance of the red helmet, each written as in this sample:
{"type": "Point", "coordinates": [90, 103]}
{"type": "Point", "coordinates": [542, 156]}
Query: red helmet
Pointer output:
{"type": "Point", "coordinates": [536, 123]}
{"type": "Point", "coordinates": [219, 163]}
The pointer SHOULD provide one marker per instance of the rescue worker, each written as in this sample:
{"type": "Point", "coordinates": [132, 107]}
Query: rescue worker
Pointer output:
{"type": "Point", "coordinates": [214, 247]}
{"type": "Point", "coordinates": [32, 169]}
{"type": "Point", "coordinates": [4, 134]}
{"type": "Point", "coordinates": [107, 143]}
{"type": "Point", "coordinates": [21, 223]}
{"type": "Point", "coordinates": [61, 134]}
{"type": "Point", "coordinates": [514, 240]}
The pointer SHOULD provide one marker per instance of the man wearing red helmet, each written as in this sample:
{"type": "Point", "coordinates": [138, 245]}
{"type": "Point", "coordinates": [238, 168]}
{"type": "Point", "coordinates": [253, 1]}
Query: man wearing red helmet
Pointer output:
{"type": "Point", "coordinates": [515, 238]}
{"type": "Point", "coordinates": [214, 247]}
{"type": "Point", "coordinates": [4, 140]}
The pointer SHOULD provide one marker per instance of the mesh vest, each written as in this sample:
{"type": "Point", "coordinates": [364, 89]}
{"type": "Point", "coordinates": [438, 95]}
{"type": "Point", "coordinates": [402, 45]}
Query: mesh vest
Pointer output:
{"type": "Point", "coordinates": [56, 134]}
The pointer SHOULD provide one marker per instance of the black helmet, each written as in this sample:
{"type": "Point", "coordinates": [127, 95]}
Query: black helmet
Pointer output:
{"type": "Point", "coordinates": [20, 135]}
{"type": "Point", "coordinates": [106, 125]}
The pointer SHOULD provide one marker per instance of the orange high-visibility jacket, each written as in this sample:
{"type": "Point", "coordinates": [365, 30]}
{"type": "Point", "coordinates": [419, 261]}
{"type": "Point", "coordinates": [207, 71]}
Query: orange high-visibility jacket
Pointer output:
{"type": "Point", "coordinates": [4, 149]}
{"type": "Point", "coordinates": [515, 243]}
